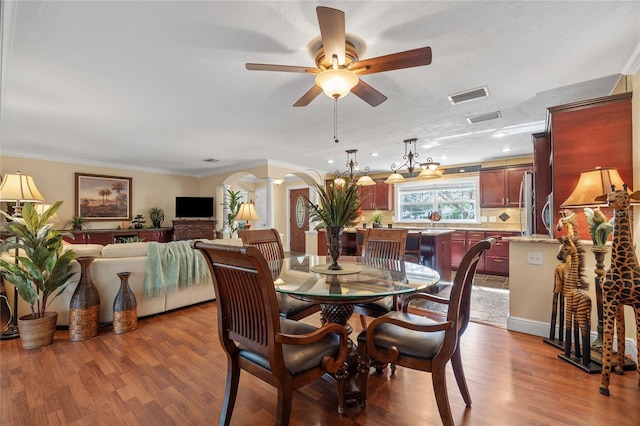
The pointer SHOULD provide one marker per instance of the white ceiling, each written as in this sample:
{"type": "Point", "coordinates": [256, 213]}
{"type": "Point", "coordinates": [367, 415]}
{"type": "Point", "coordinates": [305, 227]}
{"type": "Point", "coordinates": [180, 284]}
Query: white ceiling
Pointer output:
{"type": "Point", "coordinates": [161, 85]}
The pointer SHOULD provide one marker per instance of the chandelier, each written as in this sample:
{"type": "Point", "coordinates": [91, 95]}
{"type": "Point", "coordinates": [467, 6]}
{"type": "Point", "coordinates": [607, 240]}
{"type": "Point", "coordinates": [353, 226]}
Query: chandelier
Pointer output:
{"type": "Point", "coordinates": [429, 169]}
{"type": "Point", "coordinates": [352, 164]}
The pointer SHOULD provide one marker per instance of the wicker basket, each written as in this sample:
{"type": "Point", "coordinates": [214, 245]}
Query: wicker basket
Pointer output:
{"type": "Point", "coordinates": [37, 332]}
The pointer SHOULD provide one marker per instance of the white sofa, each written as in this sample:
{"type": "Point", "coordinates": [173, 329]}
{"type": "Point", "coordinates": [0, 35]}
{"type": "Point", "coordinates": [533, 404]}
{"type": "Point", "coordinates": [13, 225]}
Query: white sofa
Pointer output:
{"type": "Point", "coordinates": [109, 261]}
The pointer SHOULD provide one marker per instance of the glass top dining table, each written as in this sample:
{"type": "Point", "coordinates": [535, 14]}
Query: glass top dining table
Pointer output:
{"type": "Point", "coordinates": [360, 280]}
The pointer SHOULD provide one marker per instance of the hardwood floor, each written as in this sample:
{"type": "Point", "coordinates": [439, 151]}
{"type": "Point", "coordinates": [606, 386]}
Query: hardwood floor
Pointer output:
{"type": "Point", "coordinates": [171, 371]}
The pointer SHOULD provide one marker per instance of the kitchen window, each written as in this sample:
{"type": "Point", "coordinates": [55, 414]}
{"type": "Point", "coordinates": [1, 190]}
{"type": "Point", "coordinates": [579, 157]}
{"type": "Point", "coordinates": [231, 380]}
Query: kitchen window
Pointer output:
{"type": "Point", "coordinates": [456, 200]}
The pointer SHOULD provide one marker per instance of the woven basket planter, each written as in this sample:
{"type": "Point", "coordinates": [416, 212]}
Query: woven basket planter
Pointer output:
{"type": "Point", "coordinates": [37, 332]}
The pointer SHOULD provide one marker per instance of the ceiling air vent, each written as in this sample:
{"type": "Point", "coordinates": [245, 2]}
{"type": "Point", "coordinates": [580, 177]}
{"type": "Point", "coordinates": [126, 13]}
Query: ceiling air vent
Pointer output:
{"type": "Point", "coordinates": [210, 160]}
{"type": "Point", "coordinates": [484, 117]}
{"type": "Point", "coordinates": [469, 95]}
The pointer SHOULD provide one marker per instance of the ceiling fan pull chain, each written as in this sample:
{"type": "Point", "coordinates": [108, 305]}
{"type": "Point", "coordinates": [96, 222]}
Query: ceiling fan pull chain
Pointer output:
{"type": "Point", "coordinates": [335, 120]}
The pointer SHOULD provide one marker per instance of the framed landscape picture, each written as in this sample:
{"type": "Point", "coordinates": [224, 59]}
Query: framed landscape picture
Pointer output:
{"type": "Point", "coordinates": [100, 197]}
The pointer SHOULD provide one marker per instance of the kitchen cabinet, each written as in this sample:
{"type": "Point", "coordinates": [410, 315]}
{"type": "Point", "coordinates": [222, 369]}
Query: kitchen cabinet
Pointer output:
{"type": "Point", "coordinates": [585, 135]}
{"type": "Point", "coordinates": [500, 187]}
{"type": "Point", "coordinates": [435, 249]}
{"type": "Point", "coordinates": [458, 248]}
{"type": "Point", "coordinates": [494, 261]}
{"type": "Point", "coordinates": [377, 197]}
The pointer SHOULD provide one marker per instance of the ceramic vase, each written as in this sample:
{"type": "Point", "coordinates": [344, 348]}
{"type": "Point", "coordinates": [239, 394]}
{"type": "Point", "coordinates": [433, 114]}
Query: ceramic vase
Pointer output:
{"type": "Point", "coordinates": [334, 239]}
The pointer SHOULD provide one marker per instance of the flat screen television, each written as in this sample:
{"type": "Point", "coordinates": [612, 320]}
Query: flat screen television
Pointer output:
{"type": "Point", "coordinates": [194, 207]}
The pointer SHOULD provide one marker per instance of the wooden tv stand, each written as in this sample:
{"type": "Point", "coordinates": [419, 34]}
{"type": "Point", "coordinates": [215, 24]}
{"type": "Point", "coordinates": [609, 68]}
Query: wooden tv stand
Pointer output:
{"type": "Point", "coordinates": [190, 229]}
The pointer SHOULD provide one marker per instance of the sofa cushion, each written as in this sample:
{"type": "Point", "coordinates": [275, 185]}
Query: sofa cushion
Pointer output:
{"type": "Point", "coordinates": [125, 250]}
{"type": "Point", "coordinates": [94, 250]}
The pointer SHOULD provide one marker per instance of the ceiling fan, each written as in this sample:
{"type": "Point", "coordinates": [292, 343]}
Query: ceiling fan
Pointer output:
{"type": "Point", "coordinates": [338, 68]}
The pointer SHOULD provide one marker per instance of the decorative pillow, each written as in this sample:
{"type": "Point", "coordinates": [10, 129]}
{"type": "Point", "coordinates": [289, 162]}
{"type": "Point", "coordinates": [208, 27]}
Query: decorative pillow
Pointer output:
{"type": "Point", "coordinates": [125, 250]}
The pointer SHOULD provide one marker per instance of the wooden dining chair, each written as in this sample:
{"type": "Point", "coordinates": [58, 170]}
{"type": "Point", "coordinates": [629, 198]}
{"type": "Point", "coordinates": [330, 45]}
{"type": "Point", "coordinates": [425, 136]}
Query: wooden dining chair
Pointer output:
{"type": "Point", "coordinates": [286, 354]}
{"type": "Point", "coordinates": [381, 243]}
{"type": "Point", "coordinates": [269, 243]}
{"type": "Point", "coordinates": [421, 343]}
{"type": "Point", "coordinates": [412, 247]}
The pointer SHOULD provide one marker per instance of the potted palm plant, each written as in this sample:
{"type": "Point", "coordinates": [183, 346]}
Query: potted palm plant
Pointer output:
{"type": "Point", "coordinates": [156, 214]}
{"type": "Point", "coordinates": [234, 200]}
{"type": "Point", "coordinates": [338, 207]}
{"type": "Point", "coordinates": [40, 275]}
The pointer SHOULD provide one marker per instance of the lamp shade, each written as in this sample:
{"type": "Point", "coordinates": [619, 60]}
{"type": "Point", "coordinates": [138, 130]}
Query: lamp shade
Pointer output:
{"type": "Point", "coordinates": [365, 181]}
{"type": "Point", "coordinates": [247, 211]}
{"type": "Point", "coordinates": [18, 188]}
{"type": "Point", "coordinates": [592, 184]}
{"type": "Point", "coordinates": [337, 83]}
{"type": "Point", "coordinates": [394, 178]}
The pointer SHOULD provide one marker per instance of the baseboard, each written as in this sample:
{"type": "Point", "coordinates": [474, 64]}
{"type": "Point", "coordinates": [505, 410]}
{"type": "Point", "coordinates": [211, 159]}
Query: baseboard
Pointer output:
{"type": "Point", "coordinates": [538, 328]}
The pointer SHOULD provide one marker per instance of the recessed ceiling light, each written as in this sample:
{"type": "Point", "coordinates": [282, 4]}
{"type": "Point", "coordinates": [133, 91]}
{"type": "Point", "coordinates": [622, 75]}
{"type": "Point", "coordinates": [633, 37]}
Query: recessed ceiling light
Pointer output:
{"type": "Point", "coordinates": [374, 154]}
{"type": "Point", "coordinates": [330, 161]}
{"type": "Point", "coordinates": [506, 149]}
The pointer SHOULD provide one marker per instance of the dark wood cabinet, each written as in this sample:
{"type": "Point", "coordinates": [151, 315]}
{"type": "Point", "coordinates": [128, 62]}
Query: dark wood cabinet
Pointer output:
{"type": "Point", "coordinates": [114, 236]}
{"type": "Point", "coordinates": [585, 135]}
{"type": "Point", "coordinates": [190, 229]}
{"type": "Point", "coordinates": [494, 261]}
{"type": "Point", "coordinates": [436, 253]}
{"type": "Point", "coordinates": [500, 187]}
{"type": "Point", "coordinates": [377, 197]}
{"type": "Point", "coordinates": [458, 248]}
{"type": "Point", "coordinates": [541, 178]}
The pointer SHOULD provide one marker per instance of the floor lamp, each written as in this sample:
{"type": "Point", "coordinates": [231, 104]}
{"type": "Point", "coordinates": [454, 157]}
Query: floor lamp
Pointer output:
{"type": "Point", "coordinates": [592, 184]}
{"type": "Point", "coordinates": [17, 188]}
{"type": "Point", "coordinates": [247, 212]}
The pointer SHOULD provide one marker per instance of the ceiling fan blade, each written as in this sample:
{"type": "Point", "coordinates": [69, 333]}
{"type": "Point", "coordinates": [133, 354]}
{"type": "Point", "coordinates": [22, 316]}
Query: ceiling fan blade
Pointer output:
{"type": "Point", "coordinates": [282, 68]}
{"type": "Point", "coordinates": [332, 31]}
{"type": "Point", "coordinates": [309, 96]}
{"type": "Point", "coordinates": [368, 94]}
{"type": "Point", "coordinates": [395, 61]}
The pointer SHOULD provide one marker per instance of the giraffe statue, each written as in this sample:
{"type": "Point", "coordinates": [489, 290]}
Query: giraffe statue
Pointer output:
{"type": "Point", "coordinates": [577, 300]}
{"type": "Point", "coordinates": [621, 285]}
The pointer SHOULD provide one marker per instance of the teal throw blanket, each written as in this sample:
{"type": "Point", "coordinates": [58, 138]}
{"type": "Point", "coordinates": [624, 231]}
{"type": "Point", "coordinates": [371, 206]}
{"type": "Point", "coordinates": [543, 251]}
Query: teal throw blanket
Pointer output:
{"type": "Point", "coordinates": [173, 265]}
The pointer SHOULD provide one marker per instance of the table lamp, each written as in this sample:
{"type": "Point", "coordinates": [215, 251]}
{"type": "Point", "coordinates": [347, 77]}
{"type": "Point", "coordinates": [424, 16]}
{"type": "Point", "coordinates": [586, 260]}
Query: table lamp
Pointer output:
{"type": "Point", "coordinates": [593, 183]}
{"type": "Point", "coordinates": [17, 188]}
{"type": "Point", "coordinates": [246, 213]}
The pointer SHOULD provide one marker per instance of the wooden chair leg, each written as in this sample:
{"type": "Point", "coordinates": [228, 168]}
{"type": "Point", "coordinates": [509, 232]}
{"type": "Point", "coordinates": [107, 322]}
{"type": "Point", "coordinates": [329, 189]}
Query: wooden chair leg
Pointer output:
{"type": "Point", "coordinates": [438, 375]}
{"type": "Point", "coordinates": [364, 364]}
{"type": "Point", "coordinates": [285, 396]}
{"type": "Point", "coordinates": [458, 371]}
{"type": "Point", "coordinates": [341, 384]}
{"type": "Point", "coordinates": [233, 377]}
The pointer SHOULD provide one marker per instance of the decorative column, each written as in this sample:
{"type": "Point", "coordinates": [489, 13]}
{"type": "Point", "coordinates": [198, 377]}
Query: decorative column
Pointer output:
{"type": "Point", "coordinates": [271, 212]}
{"type": "Point", "coordinates": [226, 232]}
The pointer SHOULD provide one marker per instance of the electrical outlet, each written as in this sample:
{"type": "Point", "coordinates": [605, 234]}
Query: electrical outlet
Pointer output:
{"type": "Point", "coordinates": [534, 258]}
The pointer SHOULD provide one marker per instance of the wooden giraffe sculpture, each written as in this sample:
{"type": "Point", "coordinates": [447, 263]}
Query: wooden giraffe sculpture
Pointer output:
{"type": "Point", "coordinates": [621, 285]}
{"type": "Point", "coordinates": [577, 301]}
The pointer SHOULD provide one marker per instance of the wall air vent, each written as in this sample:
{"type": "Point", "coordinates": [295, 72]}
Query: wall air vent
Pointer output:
{"type": "Point", "coordinates": [484, 117]}
{"type": "Point", "coordinates": [469, 95]}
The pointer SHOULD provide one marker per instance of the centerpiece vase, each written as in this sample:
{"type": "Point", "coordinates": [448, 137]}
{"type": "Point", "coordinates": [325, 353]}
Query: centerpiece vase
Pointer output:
{"type": "Point", "coordinates": [334, 239]}
{"type": "Point", "coordinates": [84, 308]}
{"type": "Point", "coordinates": [125, 312]}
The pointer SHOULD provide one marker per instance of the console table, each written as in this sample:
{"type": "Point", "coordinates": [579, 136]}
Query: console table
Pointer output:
{"type": "Point", "coordinates": [111, 236]}
{"type": "Point", "coordinates": [190, 229]}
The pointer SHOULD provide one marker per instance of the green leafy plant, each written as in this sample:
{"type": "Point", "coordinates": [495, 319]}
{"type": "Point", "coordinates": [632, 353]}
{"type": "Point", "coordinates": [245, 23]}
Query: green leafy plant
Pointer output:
{"type": "Point", "coordinates": [44, 269]}
{"type": "Point", "coordinates": [77, 223]}
{"type": "Point", "coordinates": [234, 200]}
{"type": "Point", "coordinates": [376, 217]}
{"type": "Point", "coordinates": [138, 221]}
{"type": "Point", "coordinates": [338, 205]}
{"type": "Point", "coordinates": [156, 214]}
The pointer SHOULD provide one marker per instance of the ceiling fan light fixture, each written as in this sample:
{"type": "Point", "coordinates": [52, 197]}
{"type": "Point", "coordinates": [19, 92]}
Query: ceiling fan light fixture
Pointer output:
{"type": "Point", "coordinates": [337, 83]}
